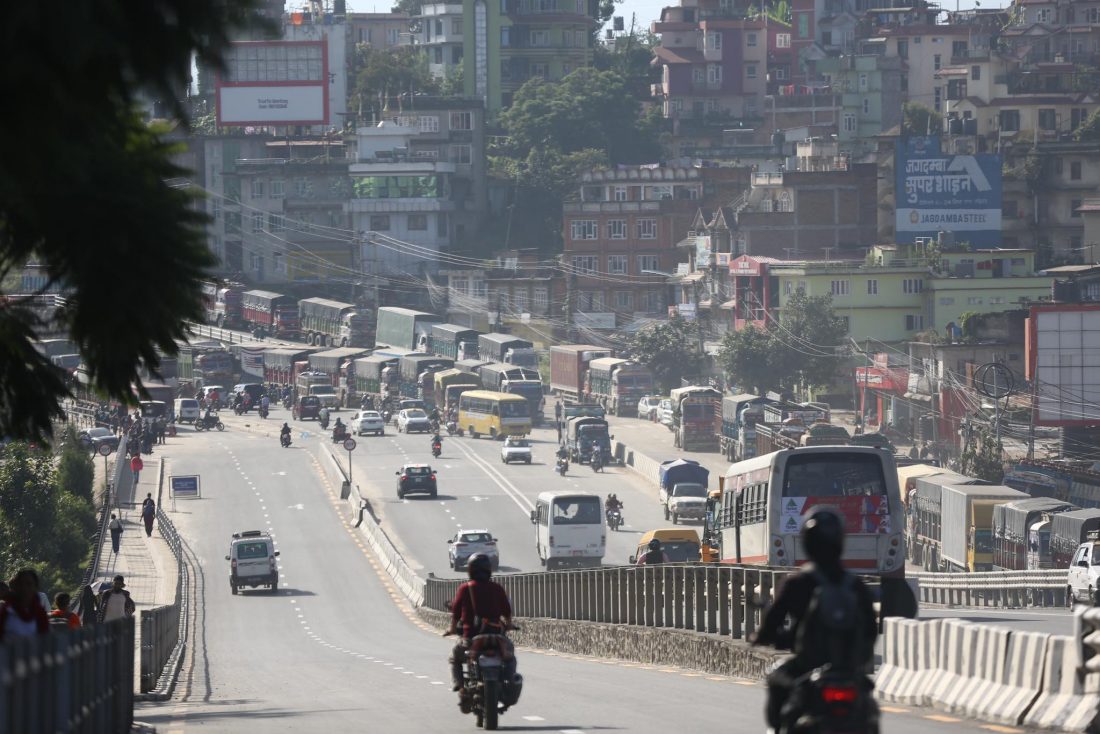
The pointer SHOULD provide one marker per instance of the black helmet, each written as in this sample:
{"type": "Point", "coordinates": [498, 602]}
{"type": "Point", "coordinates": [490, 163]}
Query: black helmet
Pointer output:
{"type": "Point", "coordinates": [655, 544]}
{"type": "Point", "coordinates": [823, 536]}
{"type": "Point", "coordinates": [479, 566]}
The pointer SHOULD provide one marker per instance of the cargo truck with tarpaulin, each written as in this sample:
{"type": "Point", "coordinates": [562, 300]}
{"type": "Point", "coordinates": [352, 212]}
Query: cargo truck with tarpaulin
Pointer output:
{"type": "Point", "coordinates": [473, 366]}
{"type": "Point", "coordinates": [449, 384]}
{"type": "Point", "coordinates": [206, 365]}
{"type": "Point", "coordinates": [514, 380]}
{"type": "Point", "coordinates": [377, 376]}
{"type": "Point", "coordinates": [334, 363]}
{"type": "Point", "coordinates": [333, 323]}
{"type": "Point", "coordinates": [569, 368]}
{"type": "Point", "coordinates": [618, 384]}
{"type": "Point", "coordinates": [417, 374]}
{"type": "Point", "coordinates": [404, 328]}
{"type": "Point", "coordinates": [507, 349]}
{"type": "Point", "coordinates": [582, 434]}
{"type": "Point", "coordinates": [682, 487]}
{"type": "Point", "coordinates": [1068, 530]}
{"type": "Point", "coordinates": [279, 363]}
{"type": "Point", "coordinates": [222, 303]}
{"type": "Point", "coordinates": [693, 412]}
{"type": "Point", "coordinates": [728, 423]}
{"type": "Point", "coordinates": [1012, 523]}
{"type": "Point", "coordinates": [925, 517]}
{"type": "Point", "coordinates": [267, 313]}
{"type": "Point", "coordinates": [453, 341]}
{"type": "Point", "coordinates": [966, 537]}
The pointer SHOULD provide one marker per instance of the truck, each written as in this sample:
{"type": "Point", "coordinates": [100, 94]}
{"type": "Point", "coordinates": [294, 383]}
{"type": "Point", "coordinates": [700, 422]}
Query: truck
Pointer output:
{"type": "Point", "coordinates": [208, 365]}
{"type": "Point", "coordinates": [404, 328]}
{"type": "Point", "coordinates": [618, 384]}
{"type": "Point", "coordinates": [336, 363]}
{"type": "Point", "coordinates": [449, 384]}
{"type": "Point", "coordinates": [279, 363]}
{"type": "Point", "coordinates": [966, 535]}
{"type": "Point", "coordinates": [778, 411]}
{"type": "Point", "coordinates": [1068, 530]}
{"type": "Point", "coordinates": [693, 411]}
{"type": "Point", "coordinates": [683, 489]}
{"type": "Point", "coordinates": [319, 385]}
{"type": "Point", "coordinates": [222, 304]}
{"type": "Point", "coordinates": [580, 433]}
{"type": "Point", "coordinates": [473, 366]}
{"type": "Point", "coordinates": [775, 436]}
{"type": "Point", "coordinates": [417, 373]}
{"type": "Point", "coordinates": [453, 341]}
{"type": "Point", "coordinates": [925, 517]}
{"type": "Point", "coordinates": [825, 434]}
{"type": "Point", "coordinates": [268, 313]}
{"type": "Point", "coordinates": [333, 323]}
{"type": "Point", "coordinates": [569, 366]}
{"type": "Point", "coordinates": [516, 380]}
{"type": "Point", "coordinates": [1012, 523]}
{"type": "Point", "coordinates": [376, 375]}
{"type": "Point", "coordinates": [728, 423]}
{"type": "Point", "coordinates": [507, 349]}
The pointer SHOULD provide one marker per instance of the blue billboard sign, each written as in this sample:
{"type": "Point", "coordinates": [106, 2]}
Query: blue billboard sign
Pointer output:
{"type": "Point", "coordinates": [960, 194]}
{"type": "Point", "coordinates": [186, 486]}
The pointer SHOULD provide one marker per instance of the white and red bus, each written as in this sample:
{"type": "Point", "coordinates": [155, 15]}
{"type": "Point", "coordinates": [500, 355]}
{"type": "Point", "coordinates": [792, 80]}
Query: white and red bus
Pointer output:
{"type": "Point", "coordinates": [766, 499]}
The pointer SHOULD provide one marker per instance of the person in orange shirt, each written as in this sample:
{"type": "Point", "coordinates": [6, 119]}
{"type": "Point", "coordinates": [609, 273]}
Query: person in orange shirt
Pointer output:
{"type": "Point", "coordinates": [61, 611]}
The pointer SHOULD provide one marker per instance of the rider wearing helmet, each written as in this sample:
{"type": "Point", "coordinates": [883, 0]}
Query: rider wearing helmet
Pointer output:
{"type": "Point", "coordinates": [654, 555]}
{"type": "Point", "coordinates": [481, 606]}
{"type": "Point", "coordinates": [822, 583]}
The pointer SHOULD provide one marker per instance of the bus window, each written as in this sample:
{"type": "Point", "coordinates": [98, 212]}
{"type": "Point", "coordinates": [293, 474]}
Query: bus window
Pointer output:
{"type": "Point", "coordinates": [577, 511]}
{"type": "Point", "coordinates": [834, 475]}
{"type": "Point", "coordinates": [542, 514]}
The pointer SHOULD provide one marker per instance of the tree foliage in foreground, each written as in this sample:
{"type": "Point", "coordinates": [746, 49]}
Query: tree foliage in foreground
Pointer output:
{"type": "Point", "coordinates": [86, 188]}
{"type": "Point", "coordinates": [670, 349]}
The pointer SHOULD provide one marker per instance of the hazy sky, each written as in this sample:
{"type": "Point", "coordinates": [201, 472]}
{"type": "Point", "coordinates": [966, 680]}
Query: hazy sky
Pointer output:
{"type": "Point", "coordinates": [645, 11]}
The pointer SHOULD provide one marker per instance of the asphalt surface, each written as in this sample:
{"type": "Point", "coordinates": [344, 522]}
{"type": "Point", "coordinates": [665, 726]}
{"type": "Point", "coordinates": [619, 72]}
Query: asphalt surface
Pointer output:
{"type": "Point", "coordinates": [335, 649]}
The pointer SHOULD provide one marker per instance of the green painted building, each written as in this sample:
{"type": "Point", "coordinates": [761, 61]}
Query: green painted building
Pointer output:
{"type": "Point", "coordinates": [870, 95]}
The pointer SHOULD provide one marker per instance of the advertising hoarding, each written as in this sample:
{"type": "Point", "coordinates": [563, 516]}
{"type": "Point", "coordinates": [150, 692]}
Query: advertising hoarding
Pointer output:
{"type": "Point", "coordinates": [1064, 364]}
{"type": "Point", "coordinates": [274, 83]}
{"type": "Point", "coordinates": [960, 194]}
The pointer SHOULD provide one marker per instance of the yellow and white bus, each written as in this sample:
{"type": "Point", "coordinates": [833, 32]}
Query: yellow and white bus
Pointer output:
{"type": "Point", "coordinates": [498, 414]}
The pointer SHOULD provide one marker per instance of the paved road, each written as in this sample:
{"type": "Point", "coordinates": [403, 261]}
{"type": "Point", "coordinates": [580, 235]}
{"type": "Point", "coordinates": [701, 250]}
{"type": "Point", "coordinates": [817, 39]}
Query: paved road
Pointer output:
{"type": "Point", "coordinates": [333, 650]}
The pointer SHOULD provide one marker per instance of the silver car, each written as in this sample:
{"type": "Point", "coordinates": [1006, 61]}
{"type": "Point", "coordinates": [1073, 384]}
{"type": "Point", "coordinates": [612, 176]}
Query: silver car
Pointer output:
{"type": "Point", "coordinates": [467, 543]}
{"type": "Point", "coordinates": [647, 407]}
{"type": "Point", "coordinates": [368, 421]}
{"type": "Point", "coordinates": [413, 419]}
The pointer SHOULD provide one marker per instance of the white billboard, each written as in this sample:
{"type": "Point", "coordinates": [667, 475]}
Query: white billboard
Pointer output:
{"type": "Point", "coordinates": [271, 105]}
{"type": "Point", "coordinates": [1065, 364]}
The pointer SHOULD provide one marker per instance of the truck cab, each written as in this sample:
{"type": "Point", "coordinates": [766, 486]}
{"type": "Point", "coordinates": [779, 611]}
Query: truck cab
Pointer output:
{"type": "Point", "coordinates": [684, 500]}
{"type": "Point", "coordinates": [582, 433]}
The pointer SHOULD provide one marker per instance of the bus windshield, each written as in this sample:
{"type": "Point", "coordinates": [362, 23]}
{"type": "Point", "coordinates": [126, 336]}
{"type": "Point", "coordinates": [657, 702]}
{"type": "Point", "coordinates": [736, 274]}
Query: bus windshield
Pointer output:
{"type": "Point", "coordinates": [577, 511]}
{"type": "Point", "coordinates": [836, 474]}
{"type": "Point", "coordinates": [514, 409]}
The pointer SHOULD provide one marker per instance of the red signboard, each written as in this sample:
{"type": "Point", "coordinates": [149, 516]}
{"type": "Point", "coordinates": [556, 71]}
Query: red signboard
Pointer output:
{"type": "Point", "coordinates": [888, 379]}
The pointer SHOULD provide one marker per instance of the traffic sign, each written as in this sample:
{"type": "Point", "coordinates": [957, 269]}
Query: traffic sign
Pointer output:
{"type": "Point", "coordinates": [349, 444]}
{"type": "Point", "coordinates": [185, 486]}
{"type": "Point", "coordinates": [105, 449]}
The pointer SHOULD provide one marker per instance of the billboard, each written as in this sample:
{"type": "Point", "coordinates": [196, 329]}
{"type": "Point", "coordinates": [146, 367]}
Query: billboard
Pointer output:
{"type": "Point", "coordinates": [960, 194]}
{"type": "Point", "coordinates": [274, 83]}
{"type": "Point", "coordinates": [1064, 364]}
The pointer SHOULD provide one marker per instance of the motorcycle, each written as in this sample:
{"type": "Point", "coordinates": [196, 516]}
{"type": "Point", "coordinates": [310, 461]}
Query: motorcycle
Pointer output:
{"type": "Point", "coordinates": [614, 519]}
{"type": "Point", "coordinates": [339, 433]}
{"type": "Point", "coordinates": [826, 700]}
{"type": "Point", "coordinates": [204, 424]}
{"type": "Point", "coordinates": [596, 462]}
{"type": "Point", "coordinates": [490, 684]}
{"type": "Point", "coordinates": [386, 415]}
{"type": "Point", "coordinates": [287, 402]}
{"type": "Point", "coordinates": [323, 421]}
{"type": "Point", "coordinates": [453, 429]}
{"type": "Point", "coordinates": [437, 449]}
{"type": "Point", "coordinates": [284, 439]}
{"type": "Point", "coordinates": [263, 412]}
{"type": "Point", "coordinates": [562, 466]}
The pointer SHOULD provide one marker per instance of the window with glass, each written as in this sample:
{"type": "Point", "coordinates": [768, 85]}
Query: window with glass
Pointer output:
{"type": "Point", "coordinates": [257, 221]}
{"type": "Point", "coordinates": [648, 262]}
{"type": "Point", "coordinates": [840, 287]}
{"type": "Point", "coordinates": [616, 264]}
{"type": "Point", "coordinates": [276, 222]}
{"type": "Point", "coordinates": [456, 26]}
{"type": "Point", "coordinates": [380, 222]}
{"type": "Point", "coordinates": [277, 188]}
{"type": "Point", "coordinates": [540, 38]}
{"type": "Point", "coordinates": [647, 229]}
{"type": "Point", "coordinates": [912, 285]}
{"type": "Point", "coordinates": [782, 40]}
{"type": "Point", "coordinates": [616, 229]}
{"type": "Point", "coordinates": [714, 73]}
{"type": "Point", "coordinates": [624, 300]}
{"type": "Point", "coordinates": [914, 322]}
{"type": "Point", "coordinates": [585, 264]}
{"type": "Point", "coordinates": [540, 298]}
{"type": "Point", "coordinates": [872, 287]}
{"type": "Point", "coordinates": [750, 71]}
{"type": "Point", "coordinates": [1075, 170]}
{"type": "Point", "coordinates": [835, 474]}
{"type": "Point", "coordinates": [462, 154]}
{"type": "Point", "coordinates": [750, 39]}
{"type": "Point", "coordinates": [301, 188]}
{"type": "Point", "coordinates": [257, 188]}
{"type": "Point", "coordinates": [417, 223]}
{"type": "Point", "coordinates": [462, 121]}
{"type": "Point", "coordinates": [620, 193]}
{"type": "Point", "coordinates": [1047, 119]}
{"type": "Point", "coordinates": [1009, 120]}
{"type": "Point", "coordinates": [849, 122]}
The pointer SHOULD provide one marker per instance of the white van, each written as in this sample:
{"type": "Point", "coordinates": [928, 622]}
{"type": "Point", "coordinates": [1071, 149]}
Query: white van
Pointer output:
{"type": "Point", "coordinates": [252, 561]}
{"type": "Point", "coordinates": [186, 410]}
{"type": "Point", "coordinates": [569, 529]}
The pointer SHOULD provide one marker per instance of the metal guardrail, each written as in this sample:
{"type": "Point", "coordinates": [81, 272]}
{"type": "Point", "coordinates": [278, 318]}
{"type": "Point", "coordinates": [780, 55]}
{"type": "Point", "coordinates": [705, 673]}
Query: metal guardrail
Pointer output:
{"type": "Point", "coordinates": [120, 474]}
{"type": "Point", "coordinates": [1006, 589]}
{"type": "Point", "coordinates": [722, 600]}
{"type": "Point", "coordinates": [69, 681]}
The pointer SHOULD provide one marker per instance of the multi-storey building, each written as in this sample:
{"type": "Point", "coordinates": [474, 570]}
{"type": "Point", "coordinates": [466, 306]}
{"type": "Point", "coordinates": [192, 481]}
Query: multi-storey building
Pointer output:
{"type": "Point", "coordinates": [499, 46]}
{"type": "Point", "coordinates": [217, 157]}
{"type": "Point", "coordinates": [967, 282]}
{"type": "Point", "coordinates": [379, 30]}
{"type": "Point", "coordinates": [869, 88]}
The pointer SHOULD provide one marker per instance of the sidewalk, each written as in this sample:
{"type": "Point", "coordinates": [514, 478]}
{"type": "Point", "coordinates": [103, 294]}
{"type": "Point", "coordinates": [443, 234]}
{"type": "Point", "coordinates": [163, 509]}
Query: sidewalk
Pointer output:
{"type": "Point", "coordinates": [146, 563]}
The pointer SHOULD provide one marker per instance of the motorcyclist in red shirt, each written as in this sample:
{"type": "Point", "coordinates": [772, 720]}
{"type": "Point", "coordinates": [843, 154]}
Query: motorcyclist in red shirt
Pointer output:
{"type": "Point", "coordinates": [480, 606]}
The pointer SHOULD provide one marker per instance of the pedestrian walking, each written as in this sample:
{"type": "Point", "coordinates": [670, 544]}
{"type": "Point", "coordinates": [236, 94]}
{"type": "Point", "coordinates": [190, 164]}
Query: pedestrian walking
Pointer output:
{"type": "Point", "coordinates": [116, 602]}
{"type": "Point", "coordinates": [21, 613]}
{"type": "Point", "coordinates": [115, 526]}
{"type": "Point", "coordinates": [136, 465]}
{"type": "Point", "coordinates": [61, 616]}
{"type": "Point", "coordinates": [89, 606]}
{"type": "Point", "coordinates": [148, 514]}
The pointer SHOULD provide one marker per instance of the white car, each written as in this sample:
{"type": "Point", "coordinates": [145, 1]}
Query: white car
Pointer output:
{"type": "Point", "coordinates": [515, 448]}
{"type": "Point", "coordinates": [413, 419]}
{"type": "Point", "coordinates": [647, 407]}
{"type": "Point", "coordinates": [467, 543]}
{"type": "Point", "coordinates": [1084, 573]}
{"type": "Point", "coordinates": [368, 421]}
{"type": "Point", "coordinates": [664, 412]}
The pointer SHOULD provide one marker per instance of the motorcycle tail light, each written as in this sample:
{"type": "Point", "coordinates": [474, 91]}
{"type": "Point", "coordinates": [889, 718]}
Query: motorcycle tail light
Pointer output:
{"type": "Point", "coordinates": [839, 694]}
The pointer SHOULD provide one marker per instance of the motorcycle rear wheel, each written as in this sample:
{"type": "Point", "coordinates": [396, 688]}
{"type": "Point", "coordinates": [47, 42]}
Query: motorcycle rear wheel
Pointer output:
{"type": "Point", "coordinates": [492, 696]}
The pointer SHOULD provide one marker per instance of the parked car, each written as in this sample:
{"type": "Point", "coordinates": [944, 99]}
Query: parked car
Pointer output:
{"type": "Point", "coordinates": [648, 406]}
{"type": "Point", "coordinates": [367, 421]}
{"type": "Point", "coordinates": [1084, 573]}
{"type": "Point", "coordinates": [413, 419]}
{"type": "Point", "coordinates": [664, 412]}
{"type": "Point", "coordinates": [515, 448]}
{"type": "Point", "coordinates": [416, 478]}
{"type": "Point", "coordinates": [93, 438]}
{"type": "Point", "coordinates": [467, 543]}
{"type": "Point", "coordinates": [308, 406]}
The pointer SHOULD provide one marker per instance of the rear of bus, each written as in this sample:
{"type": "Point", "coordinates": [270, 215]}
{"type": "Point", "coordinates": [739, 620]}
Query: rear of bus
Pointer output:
{"type": "Point", "coordinates": [860, 484]}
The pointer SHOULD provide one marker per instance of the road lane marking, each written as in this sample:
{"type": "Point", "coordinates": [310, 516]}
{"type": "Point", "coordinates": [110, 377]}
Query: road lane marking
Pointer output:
{"type": "Point", "coordinates": [942, 719]}
{"type": "Point", "coordinates": [893, 710]}
{"type": "Point", "coordinates": [533, 718]}
{"type": "Point", "coordinates": [999, 728]}
{"type": "Point", "coordinates": [524, 504]}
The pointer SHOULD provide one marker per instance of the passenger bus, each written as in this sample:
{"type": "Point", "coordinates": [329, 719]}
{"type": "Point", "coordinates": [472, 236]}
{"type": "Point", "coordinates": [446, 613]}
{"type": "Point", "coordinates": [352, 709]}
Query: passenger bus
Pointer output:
{"type": "Point", "coordinates": [766, 499]}
{"type": "Point", "coordinates": [497, 414]}
{"type": "Point", "coordinates": [569, 528]}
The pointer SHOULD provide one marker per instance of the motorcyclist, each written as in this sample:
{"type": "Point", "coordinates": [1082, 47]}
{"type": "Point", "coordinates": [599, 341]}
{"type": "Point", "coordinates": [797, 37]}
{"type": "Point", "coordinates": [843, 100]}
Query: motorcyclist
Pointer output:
{"type": "Point", "coordinates": [612, 503]}
{"type": "Point", "coordinates": [434, 416]}
{"type": "Point", "coordinates": [284, 433]}
{"type": "Point", "coordinates": [209, 419]}
{"type": "Point", "coordinates": [481, 606]}
{"type": "Point", "coordinates": [322, 418]}
{"type": "Point", "coordinates": [654, 555]}
{"type": "Point", "coordinates": [437, 441]}
{"type": "Point", "coordinates": [339, 430]}
{"type": "Point", "coordinates": [823, 539]}
{"type": "Point", "coordinates": [265, 404]}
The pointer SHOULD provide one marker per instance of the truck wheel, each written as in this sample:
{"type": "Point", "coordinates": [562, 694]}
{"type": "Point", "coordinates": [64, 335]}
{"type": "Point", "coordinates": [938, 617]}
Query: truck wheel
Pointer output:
{"type": "Point", "coordinates": [233, 587]}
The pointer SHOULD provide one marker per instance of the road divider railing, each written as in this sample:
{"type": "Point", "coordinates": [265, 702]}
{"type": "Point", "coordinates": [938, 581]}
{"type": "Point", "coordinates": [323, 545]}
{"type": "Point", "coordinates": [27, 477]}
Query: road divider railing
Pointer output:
{"type": "Point", "coordinates": [1005, 589]}
{"type": "Point", "coordinates": [992, 673]}
{"type": "Point", "coordinates": [69, 681]}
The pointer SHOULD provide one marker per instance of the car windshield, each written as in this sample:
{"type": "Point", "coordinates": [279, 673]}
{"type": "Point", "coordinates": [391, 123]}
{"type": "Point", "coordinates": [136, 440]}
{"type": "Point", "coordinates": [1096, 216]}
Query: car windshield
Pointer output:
{"type": "Point", "coordinates": [308, 402]}
{"type": "Point", "coordinates": [252, 550]}
{"type": "Point", "coordinates": [476, 537]}
{"type": "Point", "coordinates": [370, 416]}
{"type": "Point", "coordinates": [689, 490]}
{"type": "Point", "coordinates": [322, 390]}
{"type": "Point", "coordinates": [415, 414]}
{"type": "Point", "coordinates": [518, 442]}
{"type": "Point", "coordinates": [418, 471]}
{"type": "Point", "coordinates": [189, 403]}
{"type": "Point", "coordinates": [99, 432]}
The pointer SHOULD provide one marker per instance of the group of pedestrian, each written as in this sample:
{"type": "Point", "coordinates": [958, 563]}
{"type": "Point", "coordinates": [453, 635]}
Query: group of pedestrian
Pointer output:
{"type": "Point", "coordinates": [25, 612]}
{"type": "Point", "coordinates": [148, 516]}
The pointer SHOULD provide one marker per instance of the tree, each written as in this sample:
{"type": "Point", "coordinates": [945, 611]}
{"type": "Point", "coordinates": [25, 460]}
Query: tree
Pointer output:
{"type": "Point", "coordinates": [87, 190]}
{"type": "Point", "coordinates": [746, 356]}
{"type": "Point", "coordinates": [1089, 130]}
{"type": "Point", "coordinates": [75, 471]}
{"type": "Point", "coordinates": [917, 119]}
{"type": "Point", "coordinates": [983, 456]}
{"type": "Point", "coordinates": [808, 335]}
{"type": "Point", "coordinates": [670, 349]}
{"type": "Point", "coordinates": [383, 74]}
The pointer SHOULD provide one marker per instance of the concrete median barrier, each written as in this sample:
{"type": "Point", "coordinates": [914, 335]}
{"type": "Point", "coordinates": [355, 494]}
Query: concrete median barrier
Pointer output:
{"type": "Point", "coordinates": [1066, 702]}
{"type": "Point", "coordinates": [909, 661]}
{"type": "Point", "coordinates": [1007, 685]}
{"type": "Point", "coordinates": [954, 664]}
